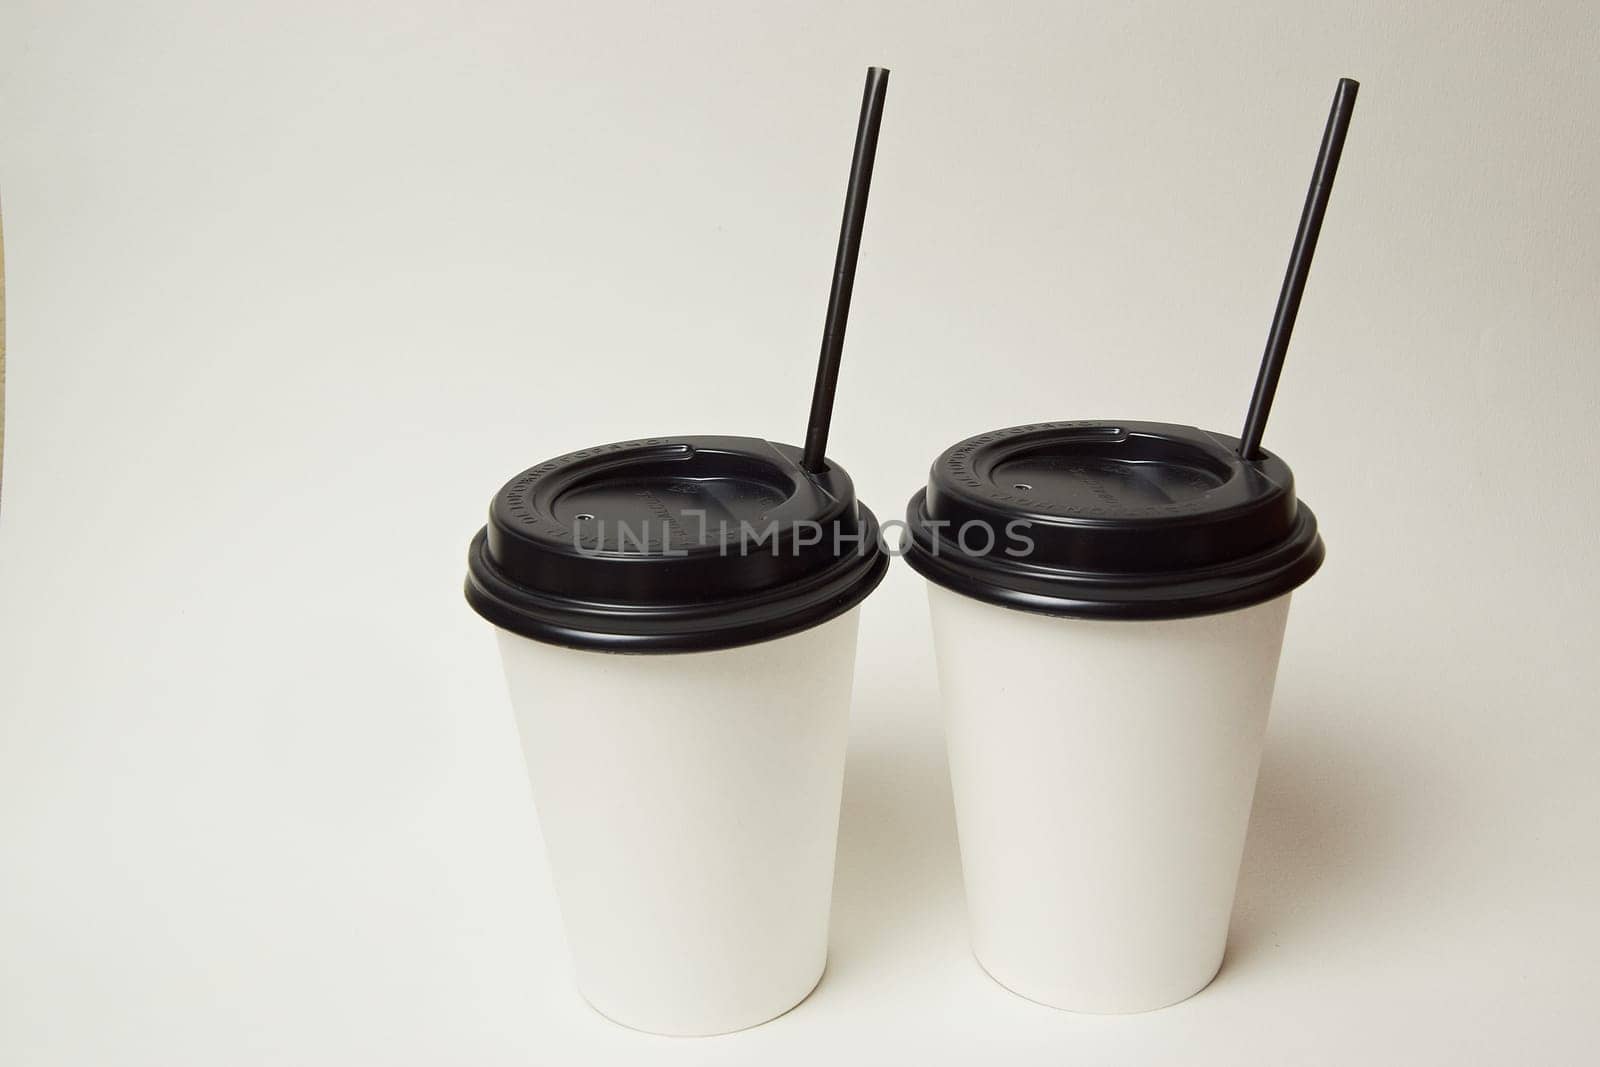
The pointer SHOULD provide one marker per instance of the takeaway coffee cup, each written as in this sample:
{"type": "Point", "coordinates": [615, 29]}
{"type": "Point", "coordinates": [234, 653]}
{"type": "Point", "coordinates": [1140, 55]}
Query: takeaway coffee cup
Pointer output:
{"type": "Point", "coordinates": [1108, 604]}
{"type": "Point", "coordinates": [677, 621]}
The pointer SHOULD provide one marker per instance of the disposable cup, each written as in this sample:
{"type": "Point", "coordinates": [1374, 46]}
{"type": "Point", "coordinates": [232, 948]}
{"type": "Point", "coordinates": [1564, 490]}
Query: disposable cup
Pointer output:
{"type": "Point", "coordinates": [1108, 604]}
{"type": "Point", "coordinates": [677, 622]}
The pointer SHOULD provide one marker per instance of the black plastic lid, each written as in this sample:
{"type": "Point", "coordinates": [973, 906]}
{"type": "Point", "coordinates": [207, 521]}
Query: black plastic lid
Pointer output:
{"type": "Point", "coordinates": [1113, 520]}
{"type": "Point", "coordinates": [673, 544]}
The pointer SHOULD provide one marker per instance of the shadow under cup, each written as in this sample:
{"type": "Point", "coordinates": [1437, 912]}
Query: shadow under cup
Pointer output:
{"type": "Point", "coordinates": [1108, 604]}
{"type": "Point", "coordinates": [677, 621]}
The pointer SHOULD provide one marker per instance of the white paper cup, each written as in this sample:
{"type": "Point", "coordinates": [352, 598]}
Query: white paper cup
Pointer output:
{"type": "Point", "coordinates": [1103, 774]}
{"type": "Point", "coordinates": [690, 808]}
{"type": "Point", "coordinates": [1108, 603]}
{"type": "Point", "coordinates": [677, 621]}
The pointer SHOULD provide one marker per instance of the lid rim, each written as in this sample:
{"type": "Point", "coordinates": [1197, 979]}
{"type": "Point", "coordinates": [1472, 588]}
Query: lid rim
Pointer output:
{"type": "Point", "coordinates": [1154, 601]}
{"type": "Point", "coordinates": [699, 626]}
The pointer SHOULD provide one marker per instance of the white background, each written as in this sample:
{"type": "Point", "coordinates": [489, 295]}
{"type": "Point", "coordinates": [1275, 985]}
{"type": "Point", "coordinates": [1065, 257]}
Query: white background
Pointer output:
{"type": "Point", "coordinates": [295, 287]}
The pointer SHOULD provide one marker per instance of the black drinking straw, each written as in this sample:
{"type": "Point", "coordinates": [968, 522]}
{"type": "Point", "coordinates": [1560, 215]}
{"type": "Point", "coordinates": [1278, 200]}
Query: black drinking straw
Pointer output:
{"type": "Point", "coordinates": [844, 269]}
{"type": "Point", "coordinates": [1294, 281]}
